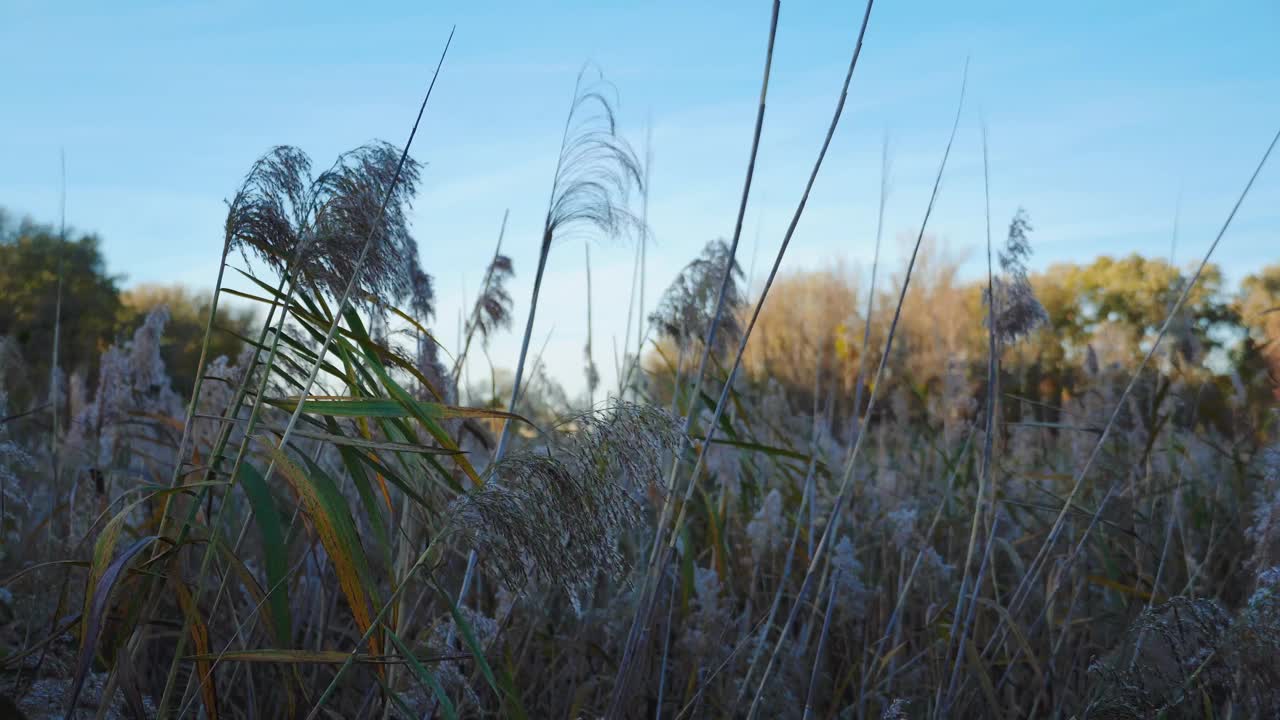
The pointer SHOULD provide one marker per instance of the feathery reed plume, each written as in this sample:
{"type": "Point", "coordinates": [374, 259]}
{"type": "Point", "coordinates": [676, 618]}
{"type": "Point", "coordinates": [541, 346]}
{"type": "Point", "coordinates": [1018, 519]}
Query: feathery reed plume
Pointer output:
{"type": "Point", "coordinates": [131, 378]}
{"type": "Point", "coordinates": [556, 515]}
{"type": "Point", "coordinates": [14, 460]}
{"type": "Point", "coordinates": [1017, 312]}
{"type": "Point", "coordinates": [1264, 531]}
{"type": "Point", "coordinates": [422, 295]}
{"type": "Point", "coordinates": [1253, 645]}
{"type": "Point", "coordinates": [360, 202]}
{"type": "Point", "coordinates": [595, 172]}
{"type": "Point", "coordinates": [686, 308]}
{"type": "Point", "coordinates": [596, 169]}
{"type": "Point", "coordinates": [271, 211]}
{"type": "Point", "coordinates": [1154, 678]}
{"type": "Point", "coordinates": [492, 309]}
{"type": "Point", "coordinates": [897, 710]}
{"type": "Point", "coordinates": [288, 219]}
{"type": "Point", "coordinates": [1185, 656]}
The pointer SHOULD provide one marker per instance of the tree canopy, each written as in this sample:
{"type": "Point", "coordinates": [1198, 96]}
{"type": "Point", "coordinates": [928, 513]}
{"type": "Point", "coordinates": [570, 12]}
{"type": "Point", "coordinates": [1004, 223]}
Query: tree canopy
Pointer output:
{"type": "Point", "coordinates": [38, 264]}
{"type": "Point", "coordinates": [1225, 341]}
{"type": "Point", "coordinates": [35, 261]}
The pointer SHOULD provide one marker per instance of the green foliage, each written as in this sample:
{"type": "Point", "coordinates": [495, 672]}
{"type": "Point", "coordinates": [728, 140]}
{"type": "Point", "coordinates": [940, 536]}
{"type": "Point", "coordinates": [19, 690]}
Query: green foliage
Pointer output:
{"type": "Point", "coordinates": [94, 312]}
{"type": "Point", "coordinates": [809, 335]}
{"type": "Point", "coordinates": [1259, 311]}
{"type": "Point", "coordinates": [1134, 293]}
{"type": "Point", "coordinates": [32, 259]}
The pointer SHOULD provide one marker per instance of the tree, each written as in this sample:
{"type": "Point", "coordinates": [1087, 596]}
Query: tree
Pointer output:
{"type": "Point", "coordinates": [1259, 308]}
{"type": "Point", "coordinates": [94, 313]}
{"type": "Point", "coordinates": [36, 265]}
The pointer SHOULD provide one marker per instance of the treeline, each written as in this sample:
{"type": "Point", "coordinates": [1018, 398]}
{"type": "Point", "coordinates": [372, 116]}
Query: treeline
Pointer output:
{"type": "Point", "coordinates": [55, 284]}
{"type": "Point", "coordinates": [1221, 353]}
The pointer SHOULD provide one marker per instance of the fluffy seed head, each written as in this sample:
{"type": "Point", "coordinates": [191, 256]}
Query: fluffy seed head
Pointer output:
{"type": "Point", "coordinates": [1017, 310]}
{"type": "Point", "coordinates": [687, 307]}
{"type": "Point", "coordinates": [555, 515]}
{"type": "Point", "coordinates": [319, 226]}
{"type": "Point", "coordinates": [596, 169]}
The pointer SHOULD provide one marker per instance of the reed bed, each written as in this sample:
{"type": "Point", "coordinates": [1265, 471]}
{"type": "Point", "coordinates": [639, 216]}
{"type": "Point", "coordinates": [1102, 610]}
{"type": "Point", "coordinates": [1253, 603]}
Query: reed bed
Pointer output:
{"type": "Point", "coordinates": [334, 524]}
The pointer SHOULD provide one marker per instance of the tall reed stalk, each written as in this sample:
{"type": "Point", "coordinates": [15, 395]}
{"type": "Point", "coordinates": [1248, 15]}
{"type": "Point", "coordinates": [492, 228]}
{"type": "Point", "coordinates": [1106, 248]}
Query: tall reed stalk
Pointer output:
{"type": "Point", "coordinates": [623, 675]}
{"type": "Point", "coordinates": [593, 375]}
{"type": "Point", "coordinates": [595, 171]}
{"type": "Point", "coordinates": [746, 335]}
{"type": "Point", "coordinates": [1022, 591]}
{"type": "Point", "coordinates": [963, 616]}
{"type": "Point", "coordinates": [855, 416]}
{"type": "Point", "coordinates": [53, 359]}
{"type": "Point", "coordinates": [845, 483]}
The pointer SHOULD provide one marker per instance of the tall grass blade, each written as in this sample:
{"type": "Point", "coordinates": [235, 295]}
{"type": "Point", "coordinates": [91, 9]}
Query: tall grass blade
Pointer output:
{"type": "Point", "coordinates": [274, 549]}
{"type": "Point", "coordinates": [425, 677]}
{"type": "Point", "coordinates": [845, 483]}
{"type": "Point", "coordinates": [200, 642]}
{"type": "Point", "coordinates": [326, 507]}
{"type": "Point", "coordinates": [97, 607]}
{"type": "Point", "coordinates": [623, 677]}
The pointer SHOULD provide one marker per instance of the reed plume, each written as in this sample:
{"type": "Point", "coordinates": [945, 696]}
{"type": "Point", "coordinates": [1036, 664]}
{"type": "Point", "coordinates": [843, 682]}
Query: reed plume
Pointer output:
{"type": "Point", "coordinates": [687, 307]}
{"type": "Point", "coordinates": [555, 515]}
{"type": "Point", "coordinates": [316, 227]}
{"type": "Point", "coordinates": [1017, 312]}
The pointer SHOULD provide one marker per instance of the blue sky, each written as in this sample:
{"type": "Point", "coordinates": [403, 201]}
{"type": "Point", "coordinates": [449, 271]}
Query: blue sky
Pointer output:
{"type": "Point", "coordinates": [1101, 115]}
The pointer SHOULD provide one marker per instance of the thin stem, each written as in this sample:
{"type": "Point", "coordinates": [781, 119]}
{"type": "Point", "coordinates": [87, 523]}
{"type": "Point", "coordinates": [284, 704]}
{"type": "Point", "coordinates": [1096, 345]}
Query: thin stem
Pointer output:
{"type": "Point", "coordinates": [644, 236]}
{"type": "Point", "coordinates": [854, 425]}
{"type": "Point", "coordinates": [1033, 571]}
{"type": "Point", "coordinates": [474, 322]}
{"type": "Point", "coordinates": [54, 401]}
{"type": "Point", "coordinates": [646, 595]}
{"type": "Point", "coordinates": [666, 650]}
{"type": "Point", "coordinates": [875, 395]}
{"type": "Point", "coordinates": [620, 364]}
{"type": "Point", "coordinates": [959, 618]}
{"type": "Point", "coordinates": [591, 362]}
{"type": "Point", "coordinates": [811, 698]}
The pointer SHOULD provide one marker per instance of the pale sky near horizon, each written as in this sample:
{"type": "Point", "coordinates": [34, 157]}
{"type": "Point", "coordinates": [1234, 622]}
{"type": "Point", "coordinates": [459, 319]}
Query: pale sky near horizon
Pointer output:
{"type": "Point", "coordinates": [1104, 118]}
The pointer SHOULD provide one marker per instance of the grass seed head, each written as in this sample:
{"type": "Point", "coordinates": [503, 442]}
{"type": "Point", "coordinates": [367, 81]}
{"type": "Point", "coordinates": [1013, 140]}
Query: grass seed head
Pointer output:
{"type": "Point", "coordinates": [555, 515]}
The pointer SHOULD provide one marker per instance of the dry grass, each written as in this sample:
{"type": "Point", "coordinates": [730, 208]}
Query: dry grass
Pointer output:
{"type": "Point", "coordinates": [333, 527]}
